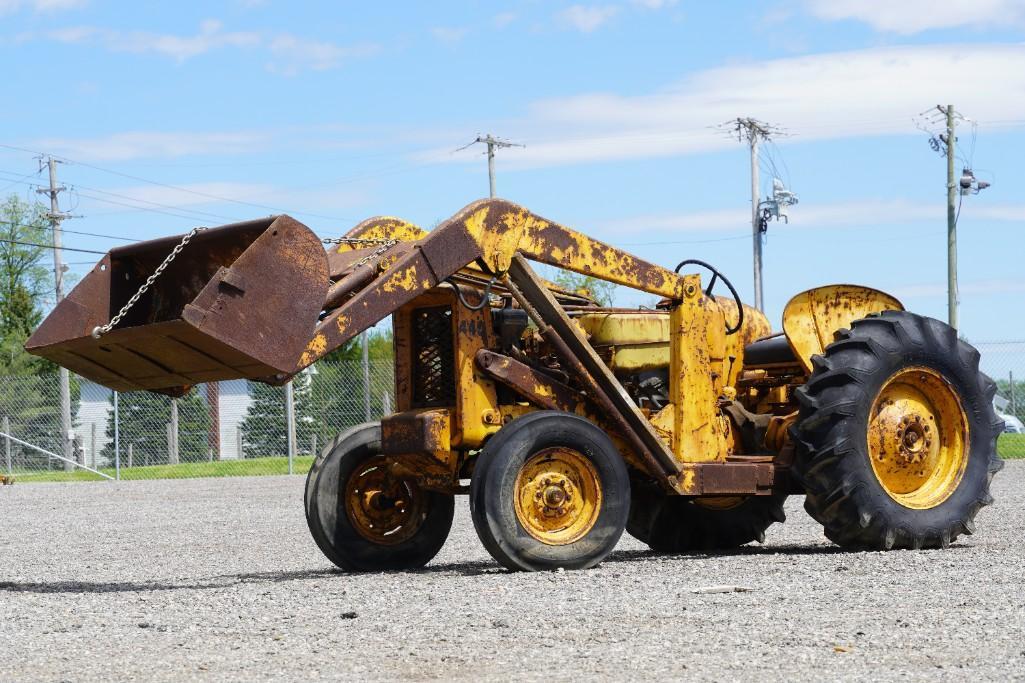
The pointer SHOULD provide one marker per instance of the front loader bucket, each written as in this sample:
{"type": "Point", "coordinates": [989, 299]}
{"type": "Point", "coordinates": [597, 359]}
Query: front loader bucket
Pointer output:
{"type": "Point", "coordinates": [239, 301]}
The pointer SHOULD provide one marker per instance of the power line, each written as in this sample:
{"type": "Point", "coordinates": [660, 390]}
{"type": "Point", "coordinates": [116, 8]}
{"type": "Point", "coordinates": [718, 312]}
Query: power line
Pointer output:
{"type": "Point", "coordinates": [142, 208]}
{"type": "Point", "coordinates": [96, 234]}
{"type": "Point", "coordinates": [199, 193]}
{"type": "Point", "coordinates": [152, 203]}
{"type": "Point", "coordinates": [50, 246]}
{"type": "Point", "coordinates": [20, 180]}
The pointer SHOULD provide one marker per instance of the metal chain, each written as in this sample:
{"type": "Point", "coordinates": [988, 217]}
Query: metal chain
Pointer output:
{"type": "Point", "coordinates": [386, 244]}
{"type": "Point", "coordinates": [356, 240]}
{"type": "Point", "coordinates": [101, 330]}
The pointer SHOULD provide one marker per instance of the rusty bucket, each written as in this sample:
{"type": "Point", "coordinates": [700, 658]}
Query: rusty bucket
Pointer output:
{"type": "Point", "coordinates": [239, 301]}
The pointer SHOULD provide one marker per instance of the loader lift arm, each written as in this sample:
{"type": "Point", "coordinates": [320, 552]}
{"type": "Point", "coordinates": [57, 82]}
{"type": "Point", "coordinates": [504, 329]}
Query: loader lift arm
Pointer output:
{"type": "Point", "coordinates": [488, 233]}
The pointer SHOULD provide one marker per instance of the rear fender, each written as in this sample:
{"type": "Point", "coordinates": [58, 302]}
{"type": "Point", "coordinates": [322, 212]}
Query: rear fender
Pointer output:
{"type": "Point", "coordinates": [812, 318]}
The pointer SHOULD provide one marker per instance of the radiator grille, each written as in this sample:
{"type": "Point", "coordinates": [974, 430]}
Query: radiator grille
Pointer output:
{"type": "Point", "coordinates": [433, 358]}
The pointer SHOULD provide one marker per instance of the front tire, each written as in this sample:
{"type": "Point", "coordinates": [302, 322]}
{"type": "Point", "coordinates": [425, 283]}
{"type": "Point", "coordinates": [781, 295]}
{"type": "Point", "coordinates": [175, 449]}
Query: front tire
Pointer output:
{"type": "Point", "coordinates": [549, 491]}
{"type": "Point", "coordinates": [363, 516]}
{"type": "Point", "coordinates": [896, 435]}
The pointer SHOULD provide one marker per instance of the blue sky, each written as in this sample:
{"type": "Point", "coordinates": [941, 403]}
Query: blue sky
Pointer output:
{"type": "Point", "coordinates": [337, 111]}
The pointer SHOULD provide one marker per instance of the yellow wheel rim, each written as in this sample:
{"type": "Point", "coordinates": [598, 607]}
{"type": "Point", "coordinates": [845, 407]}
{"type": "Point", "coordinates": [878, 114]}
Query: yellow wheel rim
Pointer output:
{"type": "Point", "coordinates": [382, 507]}
{"type": "Point", "coordinates": [918, 438]}
{"type": "Point", "coordinates": [558, 496]}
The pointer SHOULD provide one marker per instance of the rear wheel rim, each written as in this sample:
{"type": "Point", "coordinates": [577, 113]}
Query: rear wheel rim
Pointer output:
{"type": "Point", "coordinates": [382, 507]}
{"type": "Point", "coordinates": [558, 496]}
{"type": "Point", "coordinates": [918, 438]}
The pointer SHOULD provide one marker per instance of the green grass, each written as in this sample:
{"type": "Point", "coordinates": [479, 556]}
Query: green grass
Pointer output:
{"type": "Point", "coordinates": [1011, 446]}
{"type": "Point", "coordinates": [190, 470]}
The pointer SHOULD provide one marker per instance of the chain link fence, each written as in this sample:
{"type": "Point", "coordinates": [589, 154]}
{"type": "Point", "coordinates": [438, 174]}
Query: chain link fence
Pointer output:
{"type": "Point", "coordinates": [242, 428]}
{"type": "Point", "coordinates": [233, 428]}
{"type": "Point", "coordinates": [1005, 363]}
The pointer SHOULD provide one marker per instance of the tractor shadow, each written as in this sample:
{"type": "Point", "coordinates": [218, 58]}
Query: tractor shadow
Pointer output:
{"type": "Point", "coordinates": [210, 583]}
{"type": "Point", "coordinates": [467, 568]}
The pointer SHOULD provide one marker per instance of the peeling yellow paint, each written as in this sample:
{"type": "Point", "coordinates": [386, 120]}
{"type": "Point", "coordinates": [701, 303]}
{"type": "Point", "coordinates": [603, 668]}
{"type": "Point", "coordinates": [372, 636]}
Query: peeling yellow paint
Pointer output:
{"type": "Point", "coordinates": [404, 280]}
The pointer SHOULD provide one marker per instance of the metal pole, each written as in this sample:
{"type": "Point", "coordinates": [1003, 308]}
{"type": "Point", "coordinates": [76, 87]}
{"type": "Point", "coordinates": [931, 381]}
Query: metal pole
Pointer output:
{"type": "Point", "coordinates": [7, 443]}
{"type": "Point", "coordinates": [55, 217]}
{"type": "Point", "coordinates": [756, 227]}
{"type": "Point", "coordinates": [366, 377]}
{"type": "Point", "coordinates": [131, 455]}
{"type": "Point", "coordinates": [491, 165]}
{"type": "Point", "coordinates": [117, 439]}
{"type": "Point", "coordinates": [951, 222]}
{"type": "Point", "coordinates": [1010, 385]}
{"type": "Point", "coordinates": [92, 442]}
{"type": "Point", "coordinates": [172, 435]}
{"type": "Point", "coordinates": [213, 407]}
{"type": "Point", "coordinates": [290, 420]}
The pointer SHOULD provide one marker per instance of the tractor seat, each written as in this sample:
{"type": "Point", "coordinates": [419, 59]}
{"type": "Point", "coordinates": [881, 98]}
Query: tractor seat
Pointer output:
{"type": "Point", "coordinates": [769, 351]}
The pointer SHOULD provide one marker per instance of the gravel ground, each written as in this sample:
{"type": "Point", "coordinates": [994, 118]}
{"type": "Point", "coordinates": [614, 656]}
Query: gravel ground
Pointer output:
{"type": "Point", "coordinates": [218, 579]}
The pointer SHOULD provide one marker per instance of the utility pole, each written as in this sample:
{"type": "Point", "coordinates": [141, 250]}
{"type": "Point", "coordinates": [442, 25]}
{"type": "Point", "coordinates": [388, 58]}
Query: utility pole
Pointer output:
{"type": "Point", "coordinates": [493, 143]}
{"type": "Point", "coordinates": [56, 217]}
{"type": "Point", "coordinates": [753, 131]}
{"type": "Point", "coordinates": [952, 189]}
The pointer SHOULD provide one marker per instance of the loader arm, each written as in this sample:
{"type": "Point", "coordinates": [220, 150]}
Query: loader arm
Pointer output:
{"type": "Point", "coordinates": [483, 237]}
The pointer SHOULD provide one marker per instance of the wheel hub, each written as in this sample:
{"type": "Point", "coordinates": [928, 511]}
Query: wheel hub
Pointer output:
{"type": "Point", "coordinates": [918, 438]}
{"type": "Point", "coordinates": [558, 496]}
{"type": "Point", "coordinates": [383, 508]}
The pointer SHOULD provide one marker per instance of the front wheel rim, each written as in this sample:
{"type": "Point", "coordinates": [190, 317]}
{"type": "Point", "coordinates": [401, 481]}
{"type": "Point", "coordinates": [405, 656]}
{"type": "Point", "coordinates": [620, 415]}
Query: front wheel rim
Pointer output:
{"type": "Point", "coordinates": [918, 438]}
{"type": "Point", "coordinates": [558, 496]}
{"type": "Point", "coordinates": [383, 508]}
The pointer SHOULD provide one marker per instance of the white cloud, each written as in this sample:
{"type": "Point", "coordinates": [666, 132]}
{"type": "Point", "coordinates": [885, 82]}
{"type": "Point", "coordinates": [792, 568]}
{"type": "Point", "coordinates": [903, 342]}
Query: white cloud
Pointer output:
{"type": "Point", "coordinates": [913, 16]}
{"type": "Point", "coordinates": [449, 34]}
{"type": "Point", "coordinates": [935, 290]}
{"type": "Point", "coordinates": [289, 53]}
{"type": "Point", "coordinates": [151, 145]}
{"type": "Point", "coordinates": [9, 6]}
{"type": "Point", "coordinates": [654, 4]}
{"type": "Point", "coordinates": [180, 48]}
{"type": "Point", "coordinates": [807, 216]}
{"type": "Point", "coordinates": [293, 54]}
{"type": "Point", "coordinates": [587, 18]}
{"type": "Point", "coordinates": [875, 91]}
{"type": "Point", "coordinates": [504, 19]}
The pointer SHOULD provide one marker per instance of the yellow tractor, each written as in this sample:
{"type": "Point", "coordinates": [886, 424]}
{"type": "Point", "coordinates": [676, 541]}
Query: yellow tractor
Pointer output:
{"type": "Point", "coordinates": [564, 421]}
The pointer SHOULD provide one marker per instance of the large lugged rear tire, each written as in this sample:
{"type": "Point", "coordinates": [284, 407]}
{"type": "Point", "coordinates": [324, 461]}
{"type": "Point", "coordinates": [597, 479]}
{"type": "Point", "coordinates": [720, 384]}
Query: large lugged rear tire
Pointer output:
{"type": "Point", "coordinates": [549, 491]}
{"type": "Point", "coordinates": [896, 435]}
{"type": "Point", "coordinates": [363, 516]}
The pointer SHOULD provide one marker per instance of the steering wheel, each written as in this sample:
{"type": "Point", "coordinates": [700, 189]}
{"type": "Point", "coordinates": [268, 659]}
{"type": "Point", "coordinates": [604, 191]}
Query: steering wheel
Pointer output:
{"type": "Point", "coordinates": [716, 275]}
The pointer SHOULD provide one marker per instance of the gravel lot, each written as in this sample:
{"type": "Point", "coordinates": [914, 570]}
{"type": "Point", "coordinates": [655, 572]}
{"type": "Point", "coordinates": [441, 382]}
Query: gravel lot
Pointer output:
{"type": "Point", "coordinates": [218, 579]}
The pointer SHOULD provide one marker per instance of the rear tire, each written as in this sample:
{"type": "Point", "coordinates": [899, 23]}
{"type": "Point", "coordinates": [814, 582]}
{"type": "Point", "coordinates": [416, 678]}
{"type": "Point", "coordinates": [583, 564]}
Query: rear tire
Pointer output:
{"type": "Point", "coordinates": [549, 491]}
{"type": "Point", "coordinates": [673, 524]}
{"type": "Point", "coordinates": [365, 518]}
{"type": "Point", "coordinates": [896, 436]}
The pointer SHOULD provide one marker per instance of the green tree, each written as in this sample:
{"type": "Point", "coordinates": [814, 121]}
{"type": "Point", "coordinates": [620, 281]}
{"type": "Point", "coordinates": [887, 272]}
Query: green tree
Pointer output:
{"type": "Point", "coordinates": [604, 293]}
{"type": "Point", "coordinates": [29, 390]}
{"type": "Point", "coordinates": [265, 426]}
{"type": "Point", "coordinates": [143, 419]}
{"type": "Point", "coordinates": [24, 282]}
{"type": "Point", "coordinates": [336, 391]}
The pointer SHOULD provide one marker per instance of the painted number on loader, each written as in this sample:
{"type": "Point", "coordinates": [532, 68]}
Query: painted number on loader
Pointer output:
{"type": "Point", "coordinates": [473, 328]}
